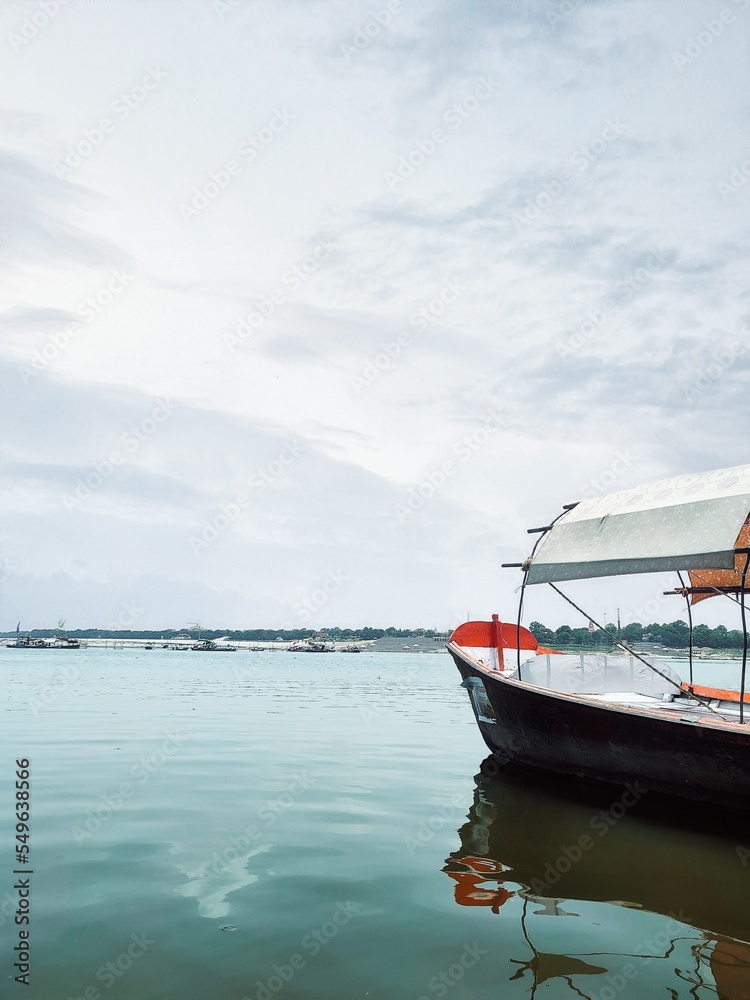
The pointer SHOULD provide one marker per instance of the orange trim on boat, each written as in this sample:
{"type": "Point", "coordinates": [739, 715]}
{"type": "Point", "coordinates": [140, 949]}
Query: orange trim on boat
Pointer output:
{"type": "Point", "coordinates": [499, 636]}
{"type": "Point", "coordinates": [723, 694]}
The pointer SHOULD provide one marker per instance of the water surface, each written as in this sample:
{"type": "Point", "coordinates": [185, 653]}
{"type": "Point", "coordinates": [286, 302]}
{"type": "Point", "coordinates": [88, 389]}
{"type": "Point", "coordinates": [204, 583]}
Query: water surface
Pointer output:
{"type": "Point", "coordinates": [265, 824]}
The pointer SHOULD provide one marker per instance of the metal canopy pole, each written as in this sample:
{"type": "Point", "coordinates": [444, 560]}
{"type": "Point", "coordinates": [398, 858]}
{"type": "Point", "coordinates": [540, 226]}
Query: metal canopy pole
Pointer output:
{"type": "Point", "coordinates": [744, 636]}
{"type": "Point", "coordinates": [690, 625]}
{"type": "Point", "coordinates": [526, 566]}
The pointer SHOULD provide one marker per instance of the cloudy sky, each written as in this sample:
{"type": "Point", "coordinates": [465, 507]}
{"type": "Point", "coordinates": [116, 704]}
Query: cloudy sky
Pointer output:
{"type": "Point", "coordinates": [311, 307]}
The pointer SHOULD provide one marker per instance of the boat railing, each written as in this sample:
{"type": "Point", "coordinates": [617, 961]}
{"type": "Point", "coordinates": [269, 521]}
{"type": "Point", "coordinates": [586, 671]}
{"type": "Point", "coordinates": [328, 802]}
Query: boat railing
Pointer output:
{"type": "Point", "coordinates": [592, 673]}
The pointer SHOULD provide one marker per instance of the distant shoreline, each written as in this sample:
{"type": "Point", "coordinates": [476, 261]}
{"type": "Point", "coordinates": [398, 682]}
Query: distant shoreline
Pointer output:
{"type": "Point", "coordinates": [655, 638]}
{"type": "Point", "coordinates": [235, 635]}
{"type": "Point", "coordinates": [367, 639]}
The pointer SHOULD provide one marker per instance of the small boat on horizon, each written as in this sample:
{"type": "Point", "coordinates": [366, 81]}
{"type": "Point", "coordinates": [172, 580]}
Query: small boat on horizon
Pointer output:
{"type": "Point", "coordinates": [209, 646]}
{"type": "Point", "coordinates": [37, 642]}
{"type": "Point", "coordinates": [311, 645]}
{"type": "Point", "coordinates": [27, 642]}
{"type": "Point", "coordinates": [64, 642]}
{"type": "Point", "coordinates": [620, 719]}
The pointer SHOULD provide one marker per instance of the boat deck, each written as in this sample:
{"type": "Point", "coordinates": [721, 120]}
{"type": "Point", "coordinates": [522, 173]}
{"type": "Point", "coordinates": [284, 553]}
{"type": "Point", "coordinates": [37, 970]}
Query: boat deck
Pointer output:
{"type": "Point", "coordinates": [672, 702]}
{"type": "Point", "coordinates": [689, 709]}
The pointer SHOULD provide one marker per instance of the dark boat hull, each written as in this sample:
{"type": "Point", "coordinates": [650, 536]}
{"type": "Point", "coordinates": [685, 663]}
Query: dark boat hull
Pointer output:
{"type": "Point", "coordinates": [564, 735]}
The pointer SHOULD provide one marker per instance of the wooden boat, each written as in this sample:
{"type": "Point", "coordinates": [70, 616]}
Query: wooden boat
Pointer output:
{"type": "Point", "coordinates": [311, 646]}
{"type": "Point", "coordinates": [61, 641]}
{"type": "Point", "coordinates": [64, 642]}
{"type": "Point", "coordinates": [32, 642]}
{"type": "Point", "coordinates": [209, 646]}
{"type": "Point", "coordinates": [618, 718]}
{"type": "Point", "coordinates": [27, 642]}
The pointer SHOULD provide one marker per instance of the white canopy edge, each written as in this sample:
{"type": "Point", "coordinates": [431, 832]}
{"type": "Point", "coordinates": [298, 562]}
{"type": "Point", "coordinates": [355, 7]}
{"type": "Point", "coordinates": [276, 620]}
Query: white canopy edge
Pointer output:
{"type": "Point", "coordinates": [688, 522]}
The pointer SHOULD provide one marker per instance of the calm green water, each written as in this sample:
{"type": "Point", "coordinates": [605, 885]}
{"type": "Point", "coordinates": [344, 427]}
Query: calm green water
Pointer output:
{"type": "Point", "coordinates": [312, 827]}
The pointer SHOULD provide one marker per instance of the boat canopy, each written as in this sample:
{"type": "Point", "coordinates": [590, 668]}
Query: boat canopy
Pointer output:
{"type": "Point", "coordinates": [690, 522]}
{"type": "Point", "coordinates": [706, 583]}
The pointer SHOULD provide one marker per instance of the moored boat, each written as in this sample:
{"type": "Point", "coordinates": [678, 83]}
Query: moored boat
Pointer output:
{"type": "Point", "coordinates": [311, 646]}
{"type": "Point", "coordinates": [209, 646]}
{"type": "Point", "coordinates": [27, 642]}
{"type": "Point", "coordinates": [619, 718]}
{"type": "Point", "coordinates": [64, 642]}
{"type": "Point", "coordinates": [33, 642]}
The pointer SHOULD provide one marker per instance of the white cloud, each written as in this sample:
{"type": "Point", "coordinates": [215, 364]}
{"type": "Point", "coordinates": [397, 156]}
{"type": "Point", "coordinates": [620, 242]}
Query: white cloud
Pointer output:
{"type": "Point", "coordinates": [559, 173]}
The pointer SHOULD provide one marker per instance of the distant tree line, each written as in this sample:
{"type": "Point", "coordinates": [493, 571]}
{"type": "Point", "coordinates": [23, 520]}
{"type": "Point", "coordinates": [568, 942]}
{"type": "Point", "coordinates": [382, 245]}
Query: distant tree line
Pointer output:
{"type": "Point", "coordinates": [675, 635]}
{"type": "Point", "coordinates": [242, 635]}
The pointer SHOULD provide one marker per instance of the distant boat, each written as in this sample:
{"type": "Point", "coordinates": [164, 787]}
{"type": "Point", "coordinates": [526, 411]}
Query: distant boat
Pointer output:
{"type": "Point", "coordinates": [310, 646]}
{"type": "Point", "coordinates": [350, 649]}
{"type": "Point", "coordinates": [63, 642]}
{"type": "Point", "coordinates": [32, 642]}
{"type": "Point", "coordinates": [618, 718]}
{"type": "Point", "coordinates": [27, 642]}
{"type": "Point", "coordinates": [208, 646]}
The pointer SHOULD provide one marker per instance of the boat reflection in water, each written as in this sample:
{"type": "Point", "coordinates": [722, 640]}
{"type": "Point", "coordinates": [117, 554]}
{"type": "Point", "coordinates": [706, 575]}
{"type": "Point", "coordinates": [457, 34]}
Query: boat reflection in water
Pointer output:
{"type": "Point", "coordinates": [646, 907]}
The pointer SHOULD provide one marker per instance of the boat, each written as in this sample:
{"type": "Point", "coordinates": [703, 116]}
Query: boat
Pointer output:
{"type": "Point", "coordinates": [618, 718]}
{"type": "Point", "coordinates": [310, 646]}
{"type": "Point", "coordinates": [209, 646]}
{"type": "Point", "coordinates": [64, 642]}
{"type": "Point", "coordinates": [33, 642]}
{"type": "Point", "coordinates": [27, 642]}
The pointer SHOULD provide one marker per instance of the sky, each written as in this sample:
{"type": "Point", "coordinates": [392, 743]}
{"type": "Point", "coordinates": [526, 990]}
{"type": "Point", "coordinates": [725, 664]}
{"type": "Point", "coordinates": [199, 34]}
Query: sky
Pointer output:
{"type": "Point", "coordinates": [310, 308]}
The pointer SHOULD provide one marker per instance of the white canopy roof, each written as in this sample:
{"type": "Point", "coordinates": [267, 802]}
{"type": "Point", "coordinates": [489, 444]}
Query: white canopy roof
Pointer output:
{"type": "Point", "coordinates": [689, 522]}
